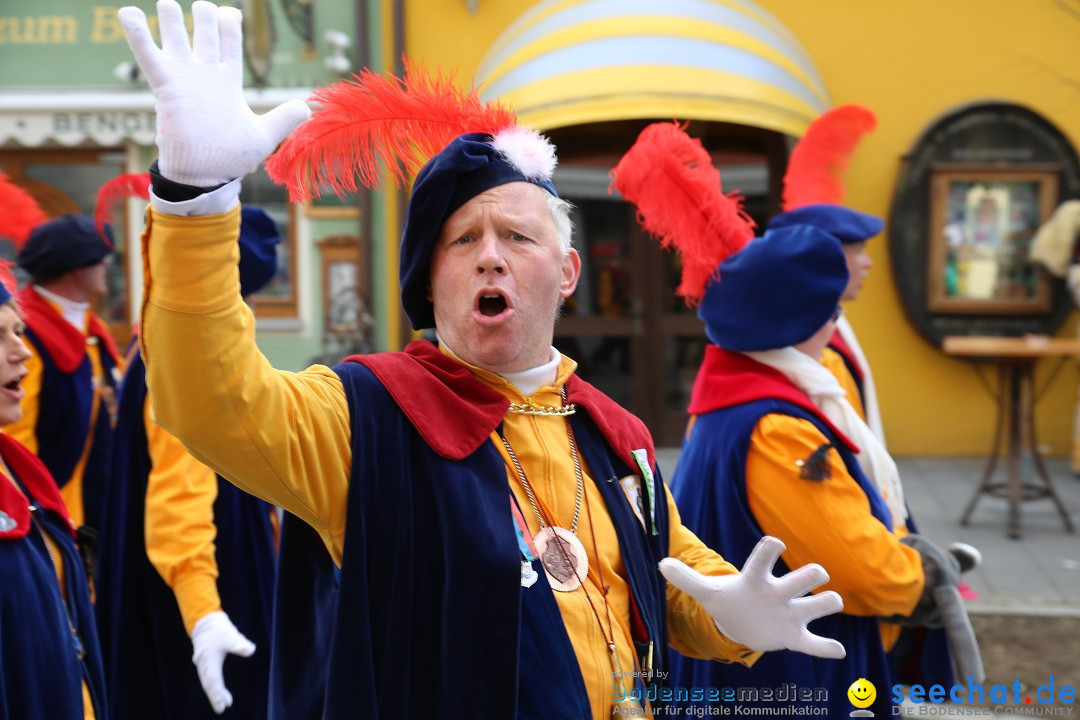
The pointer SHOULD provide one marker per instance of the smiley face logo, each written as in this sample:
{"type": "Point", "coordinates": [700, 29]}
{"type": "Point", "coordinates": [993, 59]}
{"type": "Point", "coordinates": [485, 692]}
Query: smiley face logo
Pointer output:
{"type": "Point", "coordinates": [862, 693]}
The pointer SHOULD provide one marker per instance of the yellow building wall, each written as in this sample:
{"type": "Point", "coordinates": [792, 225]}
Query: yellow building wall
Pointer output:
{"type": "Point", "coordinates": [912, 62]}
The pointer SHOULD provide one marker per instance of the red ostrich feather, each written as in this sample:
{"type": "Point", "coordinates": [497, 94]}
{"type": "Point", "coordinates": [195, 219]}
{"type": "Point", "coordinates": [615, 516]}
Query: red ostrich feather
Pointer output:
{"type": "Point", "coordinates": [373, 123]}
{"type": "Point", "coordinates": [118, 189]}
{"type": "Point", "coordinates": [814, 173]}
{"type": "Point", "coordinates": [671, 180]}
{"type": "Point", "coordinates": [19, 212]}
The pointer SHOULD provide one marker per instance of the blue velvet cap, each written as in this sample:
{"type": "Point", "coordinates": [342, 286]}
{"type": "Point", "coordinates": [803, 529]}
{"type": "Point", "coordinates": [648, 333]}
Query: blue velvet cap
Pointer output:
{"type": "Point", "coordinates": [777, 291]}
{"type": "Point", "coordinates": [59, 246]}
{"type": "Point", "coordinates": [848, 226]}
{"type": "Point", "coordinates": [466, 167]}
{"type": "Point", "coordinates": [258, 256]}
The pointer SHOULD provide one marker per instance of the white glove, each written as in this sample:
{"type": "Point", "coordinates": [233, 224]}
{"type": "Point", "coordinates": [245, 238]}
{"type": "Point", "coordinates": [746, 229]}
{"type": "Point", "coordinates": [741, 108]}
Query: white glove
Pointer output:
{"type": "Point", "coordinates": [213, 637]}
{"type": "Point", "coordinates": [761, 611]}
{"type": "Point", "coordinates": [206, 133]}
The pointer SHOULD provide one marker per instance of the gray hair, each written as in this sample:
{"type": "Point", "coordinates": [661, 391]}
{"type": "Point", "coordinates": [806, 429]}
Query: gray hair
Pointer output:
{"type": "Point", "coordinates": [560, 214]}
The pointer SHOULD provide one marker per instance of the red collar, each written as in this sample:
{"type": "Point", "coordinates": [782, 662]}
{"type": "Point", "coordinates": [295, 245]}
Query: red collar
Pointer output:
{"type": "Point", "coordinates": [455, 413]}
{"type": "Point", "coordinates": [837, 343]}
{"type": "Point", "coordinates": [64, 343]}
{"type": "Point", "coordinates": [34, 476]}
{"type": "Point", "coordinates": [623, 430]}
{"type": "Point", "coordinates": [727, 379]}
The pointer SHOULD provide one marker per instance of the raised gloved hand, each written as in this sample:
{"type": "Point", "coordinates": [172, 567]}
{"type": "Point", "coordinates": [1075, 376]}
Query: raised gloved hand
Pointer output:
{"type": "Point", "coordinates": [206, 133]}
{"type": "Point", "coordinates": [761, 611]}
{"type": "Point", "coordinates": [213, 637]}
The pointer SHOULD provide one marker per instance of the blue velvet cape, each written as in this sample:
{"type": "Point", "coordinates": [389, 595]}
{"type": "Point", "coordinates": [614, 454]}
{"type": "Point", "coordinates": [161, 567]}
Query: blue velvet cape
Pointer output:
{"type": "Point", "coordinates": [305, 606]}
{"type": "Point", "coordinates": [147, 650]}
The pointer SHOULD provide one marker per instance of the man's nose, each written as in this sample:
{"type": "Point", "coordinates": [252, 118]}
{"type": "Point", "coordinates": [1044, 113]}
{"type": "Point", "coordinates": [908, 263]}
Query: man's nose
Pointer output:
{"type": "Point", "coordinates": [490, 258]}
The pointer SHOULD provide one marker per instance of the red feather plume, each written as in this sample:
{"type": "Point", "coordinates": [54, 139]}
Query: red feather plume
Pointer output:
{"type": "Point", "coordinates": [372, 123]}
{"type": "Point", "coordinates": [113, 192]}
{"type": "Point", "coordinates": [821, 155]}
{"type": "Point", "coordinates": [670, 178]}
{"type": "Point", "coordinates": [19, 212]}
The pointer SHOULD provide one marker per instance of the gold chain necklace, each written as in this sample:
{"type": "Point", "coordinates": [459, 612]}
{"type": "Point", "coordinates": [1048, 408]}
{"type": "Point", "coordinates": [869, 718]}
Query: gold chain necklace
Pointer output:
{"type": "Point", "coordinates": [561, 552]}
{"type": "Point", "coordinates": [535, 409]}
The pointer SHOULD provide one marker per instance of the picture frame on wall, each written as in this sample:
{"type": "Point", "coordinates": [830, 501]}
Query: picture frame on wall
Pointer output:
{"type": "Point", "coordinates": [982, 223]}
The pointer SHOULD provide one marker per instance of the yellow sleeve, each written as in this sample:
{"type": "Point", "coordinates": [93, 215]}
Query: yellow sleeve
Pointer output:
{"type": "Point", "coordinates": [834, 363]}
{"type": "Point", "coordinates": [25, 428]}
{"type": "Point", "coordinates": [691, 629]}
{"type": "Point", "coordinates": [828, 521]}
{"type": "Point", "coordinates": [281, 436]}
{"type": "Point", "coordinates": [180, 530]}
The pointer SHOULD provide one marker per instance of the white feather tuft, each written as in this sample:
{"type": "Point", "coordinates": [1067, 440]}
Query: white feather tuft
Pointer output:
{"type": "Point", "coordinates": [527, 150]}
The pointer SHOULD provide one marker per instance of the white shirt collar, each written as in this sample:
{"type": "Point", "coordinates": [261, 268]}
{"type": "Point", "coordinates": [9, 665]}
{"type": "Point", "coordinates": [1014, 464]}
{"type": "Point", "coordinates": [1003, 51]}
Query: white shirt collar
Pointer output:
{"type": "Point", "coordinates": [526, 381]}
{"type": "Point", "coordinates": [72, 311]}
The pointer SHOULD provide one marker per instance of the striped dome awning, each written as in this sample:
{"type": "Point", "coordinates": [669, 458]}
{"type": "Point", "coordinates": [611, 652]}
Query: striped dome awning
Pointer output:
{"type": "Point", "coordinates": [570, 62]}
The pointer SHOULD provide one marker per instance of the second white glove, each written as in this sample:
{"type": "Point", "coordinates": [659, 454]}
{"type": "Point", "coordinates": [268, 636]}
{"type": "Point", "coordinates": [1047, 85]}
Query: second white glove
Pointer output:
{"type": "Point", "coordinates": [761, 611]}
{"type": "Point", "coordinates": [212, 639]}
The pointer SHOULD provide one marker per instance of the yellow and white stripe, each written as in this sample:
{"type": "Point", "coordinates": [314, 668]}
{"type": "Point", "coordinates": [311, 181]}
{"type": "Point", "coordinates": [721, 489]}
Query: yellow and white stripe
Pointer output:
{"type": "Point", "coordinates": [570, 62]}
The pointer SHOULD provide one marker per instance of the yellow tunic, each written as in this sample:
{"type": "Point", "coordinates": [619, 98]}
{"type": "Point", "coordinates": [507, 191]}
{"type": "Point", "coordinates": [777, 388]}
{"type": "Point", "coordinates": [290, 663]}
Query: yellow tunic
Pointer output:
{"type": "Point", "coordinates": [196, 332]}
{"type": "Point", "coordinates": [542, 446]}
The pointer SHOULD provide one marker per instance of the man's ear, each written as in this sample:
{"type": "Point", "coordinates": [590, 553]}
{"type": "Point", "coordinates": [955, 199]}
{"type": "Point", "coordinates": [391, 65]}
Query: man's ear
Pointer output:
{"type": "Point", "coordinates": [571, 273]}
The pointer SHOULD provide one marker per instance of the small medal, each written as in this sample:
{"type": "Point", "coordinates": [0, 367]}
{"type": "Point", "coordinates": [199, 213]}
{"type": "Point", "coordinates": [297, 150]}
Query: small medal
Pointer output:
{"type": "Point", "coordinates": [6, 522]}
{"type": "Point", "coordinates": [563, 557]}
{"type": "Point", "coordinates": [528, 575]}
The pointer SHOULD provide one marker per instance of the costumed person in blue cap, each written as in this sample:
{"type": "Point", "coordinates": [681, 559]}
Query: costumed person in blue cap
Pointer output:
{"type": "Point", "coordinates": [69, 407]}
{"type": "Point", "coordinates": [50, 660]}
{"type": "Point", "coordinates": [498, 522]}
{"type": "Point", "coordinates": [813, 190]}
{"type": "Point", "coordinates": [187, 559]}
{"type": "Point", "coordinates": [773, 444]}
